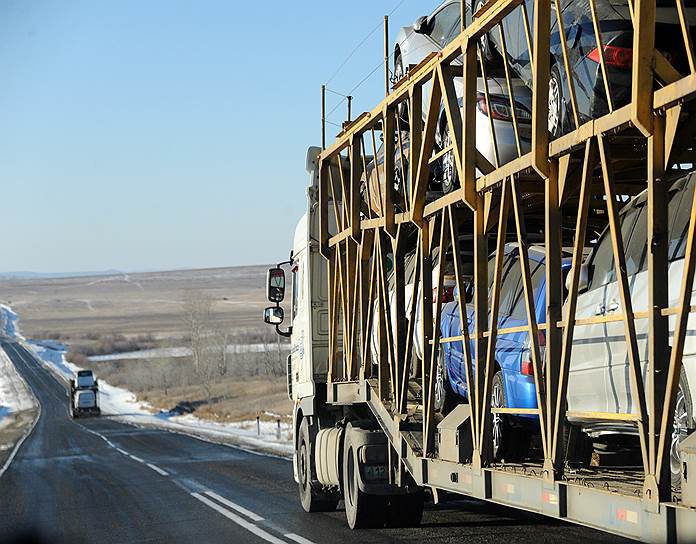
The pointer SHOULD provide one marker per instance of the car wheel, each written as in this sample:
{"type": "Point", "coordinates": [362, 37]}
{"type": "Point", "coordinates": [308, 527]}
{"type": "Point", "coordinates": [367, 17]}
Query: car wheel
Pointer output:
{"type": "Point", "coordinates": [444, 400]}
{"type": "Point", "coordinates": [509, 443]}
{"type": "Point", "coordinates": [556, 102]}
{"type": "Point", "coordinates": [399, 72]}
{"type": "Point", "coordinates": [683, 412]}
{"type": "Point", "coordinates": [450, 177]}
{"type": "Point", "coordinates": [577, 446]}
{"type": "Point", "coordinates": [310, 498]}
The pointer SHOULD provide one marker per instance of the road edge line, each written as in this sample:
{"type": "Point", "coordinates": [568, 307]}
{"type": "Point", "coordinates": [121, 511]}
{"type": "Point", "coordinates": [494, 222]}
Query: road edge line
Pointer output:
{"type": "Point", "coordinates": [31, 427]}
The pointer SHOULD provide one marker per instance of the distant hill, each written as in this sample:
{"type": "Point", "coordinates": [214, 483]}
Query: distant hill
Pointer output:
{"type": "Point", "coordinates": [27, 275]}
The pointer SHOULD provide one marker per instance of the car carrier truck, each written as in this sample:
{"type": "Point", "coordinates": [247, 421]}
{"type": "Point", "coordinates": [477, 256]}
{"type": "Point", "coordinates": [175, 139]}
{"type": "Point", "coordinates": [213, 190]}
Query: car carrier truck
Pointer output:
{"type": "Point", "coordinates": [367, 430]}
{"type": "Point", "coordinates": [84, 394]}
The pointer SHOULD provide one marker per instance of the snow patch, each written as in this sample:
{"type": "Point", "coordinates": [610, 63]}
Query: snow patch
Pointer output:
{"type": "Point", "coordinates": [123, 405]}
{"type": "Point", "coordinates": [14, 394]}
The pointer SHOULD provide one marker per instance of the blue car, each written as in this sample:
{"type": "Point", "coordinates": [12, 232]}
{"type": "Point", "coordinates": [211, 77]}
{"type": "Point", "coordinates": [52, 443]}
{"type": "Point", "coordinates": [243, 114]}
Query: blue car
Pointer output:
{"type": "Point", "coordinates": [513, 381]}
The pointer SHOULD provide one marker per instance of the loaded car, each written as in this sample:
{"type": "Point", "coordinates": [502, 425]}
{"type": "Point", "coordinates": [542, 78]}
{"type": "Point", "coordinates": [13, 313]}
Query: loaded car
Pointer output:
{"type": "Point", "coordinates": [84, 394]}
{"type": "Point", "coordinates": [616, 29]}
{"type": "Point", "coordinates": [513, 380]}
{"type": "Point", "coordinates": [431, 34]}
{"type": "Point", "coordinates": [600, 377]}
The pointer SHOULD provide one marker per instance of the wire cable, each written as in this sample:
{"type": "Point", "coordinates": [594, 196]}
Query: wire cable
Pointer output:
{"type": "Point", "coordinates": [361, 43]}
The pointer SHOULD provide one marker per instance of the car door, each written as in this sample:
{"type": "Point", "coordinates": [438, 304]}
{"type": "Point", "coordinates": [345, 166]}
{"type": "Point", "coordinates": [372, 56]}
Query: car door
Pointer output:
{"type": "Point", "coordinates": [587, 373]}
{"type": "Point", "coordinates": [634, 231]}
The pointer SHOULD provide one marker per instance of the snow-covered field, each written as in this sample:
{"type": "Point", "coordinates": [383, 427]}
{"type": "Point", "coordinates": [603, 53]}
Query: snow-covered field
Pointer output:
{"type": "Point", "coordinates": [175, 352]}
{"type": "Point", "coordinates": [123, 405]}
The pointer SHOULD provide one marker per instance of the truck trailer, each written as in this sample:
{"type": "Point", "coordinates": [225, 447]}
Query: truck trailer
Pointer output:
{"type": "Point", "coordinates": [84, 395]}
{"type": "Point", "coordinates": [367, 427]}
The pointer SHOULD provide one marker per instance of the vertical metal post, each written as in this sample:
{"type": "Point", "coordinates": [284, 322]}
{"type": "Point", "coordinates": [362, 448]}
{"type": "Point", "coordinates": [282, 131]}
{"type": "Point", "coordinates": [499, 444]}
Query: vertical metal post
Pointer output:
{"type": "Point", "coordinates": [386, 55]}
{"type": "Point", "coordinates": [350, 103]}
{"type": "Point", "coordinates": [323, 117]}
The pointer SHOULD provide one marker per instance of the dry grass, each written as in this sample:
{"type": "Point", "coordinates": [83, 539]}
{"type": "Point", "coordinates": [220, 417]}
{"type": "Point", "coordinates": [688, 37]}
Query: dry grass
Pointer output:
{"type": "Point", "coordinates": [127, 312]}
{"type": "Point", "coordinates": [133, 304]}
{"type": "Point", "coordinates": [234, 399]}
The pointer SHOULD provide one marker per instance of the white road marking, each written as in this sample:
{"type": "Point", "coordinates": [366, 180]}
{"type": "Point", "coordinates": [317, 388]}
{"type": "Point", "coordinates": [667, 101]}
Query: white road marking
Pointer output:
{"type": "Point", "coordinates": [298, 538]}
{"type": "Point", "coordinates": [138, 459]}
{"type": "Point", "coordinates": [268, 537]}
{"type": "Point", "coordinates": [158, 469]}
{"type": "Point", "coordinates": [248, 513]}
{"type": "Point", "coordinates": [124, 452]}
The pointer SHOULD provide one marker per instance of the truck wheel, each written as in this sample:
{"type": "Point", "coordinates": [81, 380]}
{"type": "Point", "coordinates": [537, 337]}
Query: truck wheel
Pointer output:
{"type": "Point", "coordinates": [311, 498]}
{"type": "Point", "coordinates": [363, 511]}
{"type": "Point", "coordinates": [405, 510]}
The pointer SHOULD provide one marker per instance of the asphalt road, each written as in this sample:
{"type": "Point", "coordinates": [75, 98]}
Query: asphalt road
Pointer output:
{"type": "Point", "coordinates": [98, 480]}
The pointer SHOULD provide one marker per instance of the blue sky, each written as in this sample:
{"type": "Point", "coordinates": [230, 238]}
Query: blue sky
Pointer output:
{"type": "Point", "coordinates": [160, 134]}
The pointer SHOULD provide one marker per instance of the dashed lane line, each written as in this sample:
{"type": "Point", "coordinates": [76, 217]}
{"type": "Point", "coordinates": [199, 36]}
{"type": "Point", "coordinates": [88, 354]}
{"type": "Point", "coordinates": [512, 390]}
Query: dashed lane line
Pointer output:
{"type": "Point", "coordinates": [157, 469]}
{"type": "Point", "coordinates": [138, 459]}
{"type": "Point", "coordinates": [249, 526]}
{"type": "Point", "coordinates": [248, 513]}
{"type": "Point", "coordinates": [298, 538]}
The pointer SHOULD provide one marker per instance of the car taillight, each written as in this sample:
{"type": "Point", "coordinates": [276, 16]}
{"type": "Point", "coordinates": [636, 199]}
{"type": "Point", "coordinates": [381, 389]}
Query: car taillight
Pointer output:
{"type": "Point", "coordinates": [620, 57]}
{"type": "Point", "coordinates": [500, 108]}
{"type": "Point", "coordinates": [447, 294]}
{"type": "Point", "coordinates": [527, 367]}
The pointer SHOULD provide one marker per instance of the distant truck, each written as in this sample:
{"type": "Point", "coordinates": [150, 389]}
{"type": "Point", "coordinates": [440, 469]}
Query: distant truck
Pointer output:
{"type": "Point", "coordinates": [84, 394]}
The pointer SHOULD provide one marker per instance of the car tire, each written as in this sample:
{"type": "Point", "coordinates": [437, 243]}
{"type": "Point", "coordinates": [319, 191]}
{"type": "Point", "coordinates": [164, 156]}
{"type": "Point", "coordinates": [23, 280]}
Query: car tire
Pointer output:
{"type": "Point", "coordinates": [405, 510]}
{"type": "Point", "coordinates": [509, 443]}
{"type": "Point", "coordinates": [556, 103]}
{"type": "Point", "coordinates": [682, 424]}
{"type": "Point", "coordinates": [444, 396]}
{"type": "Point", "coordinates": [450, 176]}
{"type": "Point", "coordinates": [577, 447]}
{"type": "Point", "coordinates": [363, 510]}
{"type": "Point", "coordinates": [399, 72]}
{"type": "Point", "coordinates": [312, 499]}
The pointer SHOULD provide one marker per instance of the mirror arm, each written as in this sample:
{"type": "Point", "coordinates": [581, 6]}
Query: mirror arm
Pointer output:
{"type": "Point", "coordinates": [285, 334]}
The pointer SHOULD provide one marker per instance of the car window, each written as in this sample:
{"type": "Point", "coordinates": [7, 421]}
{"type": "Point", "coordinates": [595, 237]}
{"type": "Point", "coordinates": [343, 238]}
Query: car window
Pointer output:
{"type": "Point", "coordinates": [442, 22]}
{"type": "Point", "coordinates": [680, 209]}
{"type": "Point", "coordinates": [512, 275]}
{"type": "Point", "coordinates": [491, 272]}
{"type": "Point", "coordinates": [637, 247]}
{"type": "Point", "coordinates": [602, 264]}
{"type": "Point", "coordinates": [519, 308]}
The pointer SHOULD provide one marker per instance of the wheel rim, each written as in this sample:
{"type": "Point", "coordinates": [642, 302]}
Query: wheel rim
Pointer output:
{"type": "Point", "coordinates": [303, 465]}
{"type": "Point", "coordinates": [679, 432]}
{"type": "Point", "coordinates": [398, 69]}
{"type": "Point", "coordinates": [350, 484]}
{"type": "Point", "coordinates": [554, 105]}
{"type": "Point", "coordinates": [447, 163]}
{"type": "Point", "coordinates": [497, 402]}
{"type": "Point", "coordinates": [439, 384]}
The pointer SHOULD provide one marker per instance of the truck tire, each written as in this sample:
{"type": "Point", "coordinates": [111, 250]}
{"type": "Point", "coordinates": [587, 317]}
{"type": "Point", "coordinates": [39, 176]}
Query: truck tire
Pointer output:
{"type": "Point", "coordinates": [363, 511]}
{"type": "Point", "coordinates": [312, 498]}
{"type": "Point", "coordinates": [405, 510]}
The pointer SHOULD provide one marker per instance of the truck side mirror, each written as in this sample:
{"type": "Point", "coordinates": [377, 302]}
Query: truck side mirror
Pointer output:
{"type": "Point", "coordinates": [273, 315]}
{"type": "Point", "coordinates": [275, 285]}
{"type": "Point", "coordinates": [583, 280]}
{"type": "Point", "coordinates": [420, 25]}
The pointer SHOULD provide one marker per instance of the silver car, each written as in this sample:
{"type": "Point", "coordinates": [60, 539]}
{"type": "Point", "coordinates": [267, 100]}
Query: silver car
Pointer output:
{"type": "Point", "coordinates": [432, 33]}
